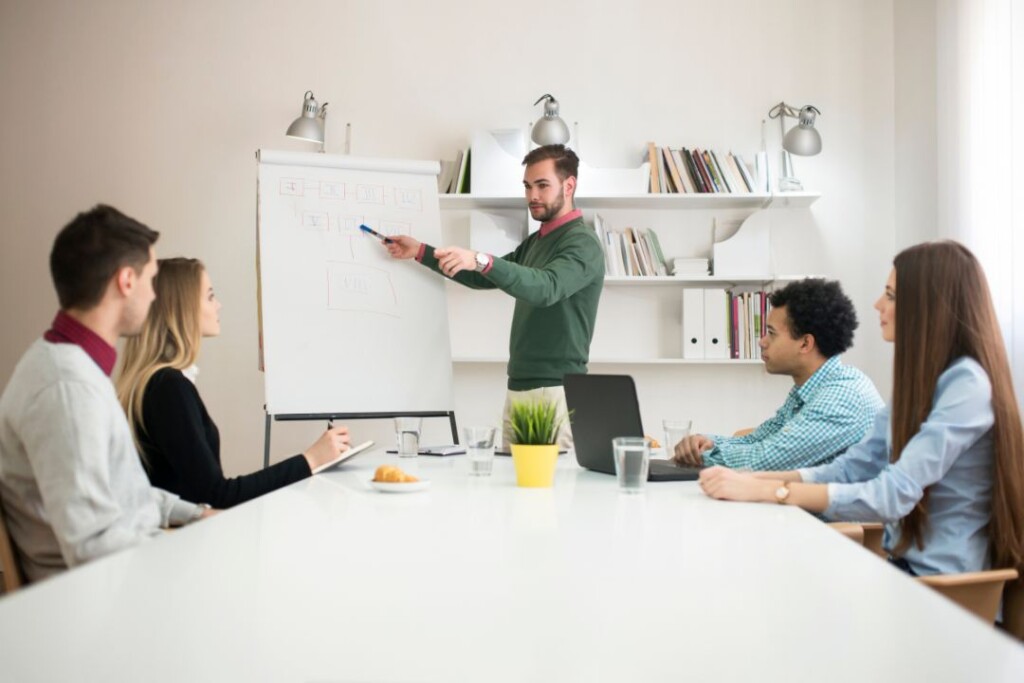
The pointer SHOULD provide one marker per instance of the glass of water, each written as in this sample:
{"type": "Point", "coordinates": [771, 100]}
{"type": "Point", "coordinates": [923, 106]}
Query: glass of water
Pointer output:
{"type": "Point", "coordinates": [407, 429]}
{"type": "Point", "coordinates": [675, 431]}
{"type": "Point", "coordinates": [480, 448]}
{"type": "Point", "coordinates": [632, 459]}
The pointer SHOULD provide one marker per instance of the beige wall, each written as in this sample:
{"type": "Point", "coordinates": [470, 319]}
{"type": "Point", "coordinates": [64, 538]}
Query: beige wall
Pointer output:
{"type": "Point", "coordinates": [158, 108]}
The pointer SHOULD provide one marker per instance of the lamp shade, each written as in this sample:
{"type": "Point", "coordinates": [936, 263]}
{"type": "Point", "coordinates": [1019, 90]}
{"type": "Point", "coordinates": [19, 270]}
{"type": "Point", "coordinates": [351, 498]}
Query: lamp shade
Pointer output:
{"type": "Point", "coordinates": [550, 129]}
{"type": "Point", "coordinates": [310, 124]}
{"type": "Point", "coordinates": [803, 138]}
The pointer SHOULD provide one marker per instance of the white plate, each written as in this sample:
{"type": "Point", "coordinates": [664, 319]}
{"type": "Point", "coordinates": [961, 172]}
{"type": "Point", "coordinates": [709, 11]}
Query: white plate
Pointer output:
{"type": "Point", "coordinates": [396, 487]}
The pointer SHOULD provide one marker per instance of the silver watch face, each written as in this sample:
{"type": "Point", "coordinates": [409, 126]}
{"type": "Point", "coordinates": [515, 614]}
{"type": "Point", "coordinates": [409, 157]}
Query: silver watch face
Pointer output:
{"type": "Point", "coordinates": [481, 261]}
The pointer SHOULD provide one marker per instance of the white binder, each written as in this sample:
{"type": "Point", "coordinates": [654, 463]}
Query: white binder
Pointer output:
{"type": "Point", "coordinates": [693, 324]}
{"type": "Point", "coordinates": [716, 324]}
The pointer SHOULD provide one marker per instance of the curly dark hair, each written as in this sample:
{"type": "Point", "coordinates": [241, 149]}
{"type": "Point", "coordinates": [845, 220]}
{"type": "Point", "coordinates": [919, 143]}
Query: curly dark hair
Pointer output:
{"type": "Point", "coordinates": [821, 309]}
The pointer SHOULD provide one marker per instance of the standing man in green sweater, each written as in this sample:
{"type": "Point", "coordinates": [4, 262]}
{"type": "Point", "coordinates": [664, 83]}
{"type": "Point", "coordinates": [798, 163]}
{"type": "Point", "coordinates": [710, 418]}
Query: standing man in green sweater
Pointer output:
{"type": "Point", "coordinates": [555, 275]}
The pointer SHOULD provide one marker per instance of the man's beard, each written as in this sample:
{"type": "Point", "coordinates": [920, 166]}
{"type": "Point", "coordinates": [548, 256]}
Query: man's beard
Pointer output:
{"type": "Point", "coordinates": [551, 210]}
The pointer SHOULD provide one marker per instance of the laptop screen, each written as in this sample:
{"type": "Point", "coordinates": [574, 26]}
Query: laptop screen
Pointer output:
{"type": "Point", "coordinates": [601, 407]}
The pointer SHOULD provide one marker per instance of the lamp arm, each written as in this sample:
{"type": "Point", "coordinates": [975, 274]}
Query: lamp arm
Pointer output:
{"type": "Point", "coordinates": [782, 109]}
{"type": "Point", "coordinates": [323, 117]}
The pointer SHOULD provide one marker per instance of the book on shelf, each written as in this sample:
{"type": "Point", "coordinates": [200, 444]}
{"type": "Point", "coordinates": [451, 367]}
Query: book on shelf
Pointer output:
{"type": "Point", "coordinates": [630, 252]}
{"type": "Point", "coordinates": [458, 177]}
{"type": "Point", "coordinates": [720, 171]}
{"type": "Point", "coordinates": [698, 161]}
{"type": "Point", "coordinates": [660, 262]}
{"type": "Point", "coordinates": [716, 180]}
{"type": "Point", "coordinates": [673, 172]}
{"type": "Point", "coordinates": [684, 173]}
{"type": "Point", "coordinates": [652, 156]}
{"type": "Point", "coordinates": [747, 172]}
{"type": "Point", "coordinates": [748, 313]}
{"type": "Point", "coordinates": [734, 172]}
{"type": "Point", "coordinates": [694, 172]}
{"type": "Point", "coordinates": [444, 177]}
{"type": "Point", "coordinates": [464, 173]}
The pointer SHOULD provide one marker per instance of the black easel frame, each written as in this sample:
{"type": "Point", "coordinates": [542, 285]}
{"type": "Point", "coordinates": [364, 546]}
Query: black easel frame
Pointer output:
{"type": "Point", "coordinates": [298, 417]}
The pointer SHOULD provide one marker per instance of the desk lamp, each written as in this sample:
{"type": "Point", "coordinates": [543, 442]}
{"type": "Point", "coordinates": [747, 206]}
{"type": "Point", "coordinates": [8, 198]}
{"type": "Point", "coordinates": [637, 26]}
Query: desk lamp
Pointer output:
{"type": "Point", "coordinates": [312, 123]}
{"type": "Point", "coordinates": [801, 139]}
{"type": "Point", "coordinates": [550, 129]}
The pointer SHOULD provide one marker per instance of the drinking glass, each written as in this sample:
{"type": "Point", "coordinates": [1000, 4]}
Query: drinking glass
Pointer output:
{"type": "Point", "coordinates": [480, 448]}
{"type": "Point", "coordinates": [675, 431]}
{"type": "Point", "coordinates": [632, 459]}
{"type": "Point", "coordinates": [407, 430]}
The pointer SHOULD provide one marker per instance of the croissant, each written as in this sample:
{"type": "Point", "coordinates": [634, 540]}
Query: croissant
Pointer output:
{"type": "Point", "coordinates": [393, 475]}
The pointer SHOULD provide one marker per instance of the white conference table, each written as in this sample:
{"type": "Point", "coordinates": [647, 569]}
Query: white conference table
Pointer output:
{"type": "Point", "coordinates": [477, 580]}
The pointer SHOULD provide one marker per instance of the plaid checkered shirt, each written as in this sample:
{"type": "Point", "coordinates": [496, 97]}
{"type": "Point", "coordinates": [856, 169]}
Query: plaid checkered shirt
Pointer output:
{"type": "Point", "coordinates": [830, 412]}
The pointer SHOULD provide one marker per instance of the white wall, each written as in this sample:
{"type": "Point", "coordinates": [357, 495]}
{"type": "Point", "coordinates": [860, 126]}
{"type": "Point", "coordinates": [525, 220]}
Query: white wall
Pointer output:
{"type": "Point", "coordinates": [157, 108]}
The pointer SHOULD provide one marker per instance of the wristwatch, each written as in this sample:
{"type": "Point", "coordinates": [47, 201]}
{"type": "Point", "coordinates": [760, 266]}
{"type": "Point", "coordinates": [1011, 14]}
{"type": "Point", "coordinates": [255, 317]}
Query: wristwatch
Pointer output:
{"type": "Point", "coordinates": [200, 510]}
{"type": "Point", "coordinates": [782, 493]}
{"type": "Point", "coordinates": [482, 261]}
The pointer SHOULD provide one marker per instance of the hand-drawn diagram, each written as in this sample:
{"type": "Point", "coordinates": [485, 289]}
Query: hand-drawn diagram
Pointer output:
{"type": "Point", "coordinates": [332, 190]}
{"type": "Point", "coordinates": [355, 287]}
{"type": "Point", "coordinates": [392, 228]}
{"type": "Point", "coordinates": [406, 198]}
{"type": "Point", "coordinates": [316, 220]}
{"type": "Point", "coordinates": [295, 187]}
{"type": "Point", "coordinates": [348, 224]}
{"type": "Point", "coordinates": [370, 194]}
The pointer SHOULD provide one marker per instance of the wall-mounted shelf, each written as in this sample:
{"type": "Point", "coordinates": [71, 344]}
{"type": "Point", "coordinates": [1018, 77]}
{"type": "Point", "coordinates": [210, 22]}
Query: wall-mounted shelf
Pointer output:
{"type": "Point", "coordinates": [743, 258]}
{"type": "Point", "coordinates": [624, 361]}
{"type": "Point", "coordinates": [695, 201]}
{"type": "Point", "coordinates": [698, 281]}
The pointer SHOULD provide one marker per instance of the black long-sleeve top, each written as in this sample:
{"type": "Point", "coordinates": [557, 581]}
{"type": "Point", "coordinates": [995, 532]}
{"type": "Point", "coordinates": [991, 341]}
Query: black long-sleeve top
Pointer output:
{"type": "Point", "coordinates": [181, 445]}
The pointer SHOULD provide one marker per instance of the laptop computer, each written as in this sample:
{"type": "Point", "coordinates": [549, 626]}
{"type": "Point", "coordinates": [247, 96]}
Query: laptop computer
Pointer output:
{"type": "Point", "coordinates": [602, 407]}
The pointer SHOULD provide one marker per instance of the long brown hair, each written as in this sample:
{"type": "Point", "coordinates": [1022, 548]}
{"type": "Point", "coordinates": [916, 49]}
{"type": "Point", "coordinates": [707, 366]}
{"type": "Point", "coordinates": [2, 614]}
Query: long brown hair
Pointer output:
{"type": "Point", "coordinates": [944, 312]}
{"type": "Point", "coordinates": [170, 337]}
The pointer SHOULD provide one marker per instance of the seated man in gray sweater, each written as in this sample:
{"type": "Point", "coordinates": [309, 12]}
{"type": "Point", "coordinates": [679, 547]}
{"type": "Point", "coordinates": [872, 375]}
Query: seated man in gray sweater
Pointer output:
{"type": "Point", "coordinates": [71, 483]}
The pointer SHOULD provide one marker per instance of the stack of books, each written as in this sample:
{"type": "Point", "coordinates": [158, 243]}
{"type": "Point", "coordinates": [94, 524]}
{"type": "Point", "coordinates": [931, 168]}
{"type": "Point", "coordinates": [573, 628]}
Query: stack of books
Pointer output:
{"type": "Point", "coordinates": [747, 317]}
{"type": "Point", "coordinates": [703, 171]}
{"type": "Point", "coordinates": [631, 252]}
{"type": "Point", "coordinates": [690, 267]}
{"type": "Point", "coordinates": [454, 175]}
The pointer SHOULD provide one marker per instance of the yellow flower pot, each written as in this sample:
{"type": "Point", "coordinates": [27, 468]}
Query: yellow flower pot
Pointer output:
{"type": "Point", "coordinates": [535, 465]}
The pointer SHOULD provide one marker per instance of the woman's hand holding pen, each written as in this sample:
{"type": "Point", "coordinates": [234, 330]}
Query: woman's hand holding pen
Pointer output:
{"type": "Point", "coordinates": [452, 260]}
{"type": "Point", "coordinates": [402, 247]}
{"type": "Point", "coordinates": [328, 447]}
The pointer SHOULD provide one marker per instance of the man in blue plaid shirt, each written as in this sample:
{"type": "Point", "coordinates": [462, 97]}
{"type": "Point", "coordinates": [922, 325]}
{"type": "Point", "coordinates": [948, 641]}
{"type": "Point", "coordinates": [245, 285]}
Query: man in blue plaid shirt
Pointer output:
{"type": "Point", "coordinates": [831, 406]}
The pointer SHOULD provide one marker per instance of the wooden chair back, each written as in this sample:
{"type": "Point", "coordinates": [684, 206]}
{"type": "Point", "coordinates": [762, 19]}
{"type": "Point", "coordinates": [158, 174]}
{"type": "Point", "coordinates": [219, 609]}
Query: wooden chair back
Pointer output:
{"type": "Point", "coordinates": [873, 532]}
{"type": "Point", "coordinates": [977, 592]}
{"type": "Point", "coordinates": [1013, 608]}
{"type": "Point", "coordinates": [8, 559]}
{"type": "Point", "coordinates": [852, 531]}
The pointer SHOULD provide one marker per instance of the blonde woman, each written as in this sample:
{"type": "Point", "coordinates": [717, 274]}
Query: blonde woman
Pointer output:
{"type": "Point", "coordinates": [178, 441]}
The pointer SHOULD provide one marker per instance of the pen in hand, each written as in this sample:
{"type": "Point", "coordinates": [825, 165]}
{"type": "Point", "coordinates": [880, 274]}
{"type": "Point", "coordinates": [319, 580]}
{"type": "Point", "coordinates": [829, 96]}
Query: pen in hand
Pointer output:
{"type": "Point", "coordinates": [370, 231]}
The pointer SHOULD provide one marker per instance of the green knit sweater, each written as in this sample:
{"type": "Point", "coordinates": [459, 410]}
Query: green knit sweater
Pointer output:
{"type": "Point", "coordinates": [556, 281]}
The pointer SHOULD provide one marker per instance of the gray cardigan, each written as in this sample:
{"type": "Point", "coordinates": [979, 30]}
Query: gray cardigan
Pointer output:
{"type": "Point", "coordinates": [71, 483]}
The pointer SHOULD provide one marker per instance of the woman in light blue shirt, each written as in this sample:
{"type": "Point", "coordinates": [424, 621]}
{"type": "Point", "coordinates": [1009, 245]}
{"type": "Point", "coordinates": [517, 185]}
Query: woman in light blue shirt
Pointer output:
{"type": "Point", "coordinates": [943, 466]}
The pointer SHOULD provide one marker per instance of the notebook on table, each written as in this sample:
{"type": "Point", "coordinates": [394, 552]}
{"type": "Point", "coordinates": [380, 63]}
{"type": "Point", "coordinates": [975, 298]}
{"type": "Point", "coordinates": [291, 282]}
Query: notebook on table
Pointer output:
{"type": "Point", "coordinates": [346, 455]}
{"type": "Point", "coordinates": [603, 407]}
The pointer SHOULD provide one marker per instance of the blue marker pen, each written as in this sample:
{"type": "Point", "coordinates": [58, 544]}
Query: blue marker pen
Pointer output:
{"type": "Point", "coordinates": [382, 238]}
